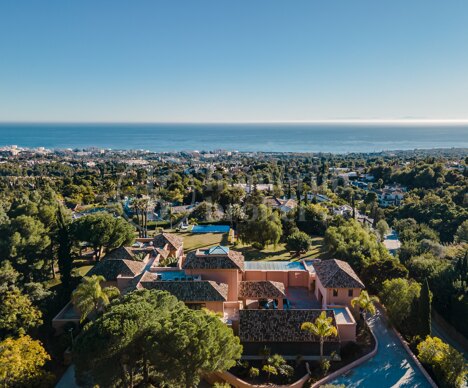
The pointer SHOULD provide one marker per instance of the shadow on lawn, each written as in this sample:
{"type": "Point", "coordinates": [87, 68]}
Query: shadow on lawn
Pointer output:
{"type": "Point", "coordinates": [251, 253]}
{"type": "Point", "coordinates": [281, 253]}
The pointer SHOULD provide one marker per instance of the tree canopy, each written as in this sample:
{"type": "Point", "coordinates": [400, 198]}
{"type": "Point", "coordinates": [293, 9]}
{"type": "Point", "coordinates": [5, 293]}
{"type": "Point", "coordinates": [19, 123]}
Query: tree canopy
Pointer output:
{"type": "Point", "coordinates": [299, 242]}
{"type": "Point", "coordinates": [352, 243]}
{"type": "Point", "coordinates": [103, 231]}
{"type": "Point", "coordinates": [262, 227]}
{"type": "Point", "coordinates": [149, 336]}
{"type": "Point", "coordinates": [21, 362]}
{"type": "Point", "coordinates": [398, 296]}
{"type": "Point", "coordinates": [446, 362]}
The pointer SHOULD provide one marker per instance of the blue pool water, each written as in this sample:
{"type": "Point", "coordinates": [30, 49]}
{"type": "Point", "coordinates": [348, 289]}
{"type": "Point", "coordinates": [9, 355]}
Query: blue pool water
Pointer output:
{"type": "Point", "coordinates": [274, 265]}
{"type": "Point", "coordinates": [211, 229]}
{"type": "Point", "coordinates": [341, 315]}
{"type": "Point", "coordinates": [390, 367]}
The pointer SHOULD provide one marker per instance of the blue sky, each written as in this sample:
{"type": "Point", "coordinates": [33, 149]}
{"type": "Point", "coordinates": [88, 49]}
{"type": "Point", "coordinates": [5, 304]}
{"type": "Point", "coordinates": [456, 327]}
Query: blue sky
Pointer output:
{"type": "Point", "coordinates": [243, 60]}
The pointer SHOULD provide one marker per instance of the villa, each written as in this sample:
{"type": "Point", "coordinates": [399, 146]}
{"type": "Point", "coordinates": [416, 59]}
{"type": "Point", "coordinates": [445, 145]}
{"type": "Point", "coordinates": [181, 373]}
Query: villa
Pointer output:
{"type": "Point", "coordinates": [249, 187]}
{"type": "Point", "coordinates": [284, 205]}
{"type": "Point", "coordinates": [391, 195]}
{"type": "Point", "coordinates": [265, 302]}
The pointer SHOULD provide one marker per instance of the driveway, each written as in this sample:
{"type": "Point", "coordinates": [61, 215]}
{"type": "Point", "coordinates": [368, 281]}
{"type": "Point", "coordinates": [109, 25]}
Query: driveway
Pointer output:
{"type": "Point", "coordinates": [68, 379]}
{"type": "Point", "coordinates": [438, 331]}
{"type": "Point", "coordinates": [390, 367]}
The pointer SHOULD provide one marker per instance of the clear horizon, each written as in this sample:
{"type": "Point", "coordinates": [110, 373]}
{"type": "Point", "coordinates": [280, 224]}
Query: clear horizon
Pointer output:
{"type": "Point", "coordinates": [243, 62]}
{"type": "Point", "coordinates": [344, 122]}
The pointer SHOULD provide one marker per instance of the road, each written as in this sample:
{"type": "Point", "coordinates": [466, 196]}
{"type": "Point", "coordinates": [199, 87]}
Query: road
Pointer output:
{"type": "Point", "coordinates": [438, 331]}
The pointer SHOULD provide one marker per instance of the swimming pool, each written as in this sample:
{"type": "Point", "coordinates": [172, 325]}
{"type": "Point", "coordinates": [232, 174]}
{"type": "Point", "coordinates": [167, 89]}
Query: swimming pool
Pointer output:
{"type": "Point", "coordinates": [342, 315]}
{"type": "Point", "coordinates": [274, 266]}
{"type": "Point", "coordinates": [211, 229]}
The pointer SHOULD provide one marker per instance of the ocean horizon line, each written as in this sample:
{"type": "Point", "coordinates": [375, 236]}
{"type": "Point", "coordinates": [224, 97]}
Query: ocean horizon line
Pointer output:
{"type": "Point", "coordinates": [253, 122]}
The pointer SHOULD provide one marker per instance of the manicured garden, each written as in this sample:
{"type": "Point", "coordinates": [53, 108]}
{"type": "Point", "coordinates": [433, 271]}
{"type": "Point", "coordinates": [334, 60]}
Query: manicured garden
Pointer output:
{"type": "Point", "coordinates": [193, 241]}
{"type": "Point", "coordinates": [280, 252]}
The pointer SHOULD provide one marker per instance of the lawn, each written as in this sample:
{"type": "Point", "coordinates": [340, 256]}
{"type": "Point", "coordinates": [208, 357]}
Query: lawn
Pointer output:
{"type": "Point", "coordinates": [318, 251]}
{"type": "Point", "coordinates": [78, 271]}
{"type": "Point", "coordinates": [193, 241]}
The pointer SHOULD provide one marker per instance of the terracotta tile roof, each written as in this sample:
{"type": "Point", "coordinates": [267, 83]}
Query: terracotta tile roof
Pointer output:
{"type": "Point", "coordinates": [337, 274]}
{"type": "Point", "coordinates": [189, 291]}
{"type": "Point", "coordinates": [215, 258]}
{"type": "Point", "coordinates": [111, 268]}
{"type": "Point", "coordinates": [262, 289]}
{"type": "Point", "coordinates": [279, 325]}
{"type": "Point", "coordinates": [162, 239]}
{"type": "Point", "coordinates": [121, 253]}
{"type": "Point", "coordinates": [280, 203]}
{"type": "Point", "coordinates": [272, 202]}
{"type": "Point", "coordinates": [164, 254]}
{"type": "Point", "coordinates": [291, 203]}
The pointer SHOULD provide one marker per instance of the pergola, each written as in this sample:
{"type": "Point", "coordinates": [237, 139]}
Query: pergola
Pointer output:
{"type": "Point", "coordinates": [263, 289]}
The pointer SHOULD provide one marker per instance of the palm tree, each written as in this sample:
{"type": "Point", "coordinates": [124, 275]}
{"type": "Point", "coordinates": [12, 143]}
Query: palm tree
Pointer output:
{"type": "Point", "coordinates": [322, 328]}
{"type": "Point", "coordinates": [89, 296]}
{"type": "Point", "coordinates": [365, 303]}
{"type": "Point", "coordinates": [172, 217]}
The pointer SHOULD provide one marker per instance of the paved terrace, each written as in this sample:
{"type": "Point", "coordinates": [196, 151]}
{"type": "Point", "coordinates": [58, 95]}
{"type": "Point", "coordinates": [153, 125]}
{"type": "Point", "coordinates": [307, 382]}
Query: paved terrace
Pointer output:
{"type": "Point", "coordinates": [302, 298]}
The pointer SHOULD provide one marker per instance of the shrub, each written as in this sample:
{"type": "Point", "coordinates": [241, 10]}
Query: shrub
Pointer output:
{"type": "Point", "coordinates": [254, 372]}
{"type": "Point", "coordinates": [446, 362]}
{"type": "Point", "coordinates": [324, 366]}
{"type": "Point", "coordinates": [257, 245]}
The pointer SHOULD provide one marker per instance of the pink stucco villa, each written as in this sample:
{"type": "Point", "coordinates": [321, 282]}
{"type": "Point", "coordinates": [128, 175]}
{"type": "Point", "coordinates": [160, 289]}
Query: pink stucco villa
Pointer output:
{"type": "Point", "coordinates": [265, 302]}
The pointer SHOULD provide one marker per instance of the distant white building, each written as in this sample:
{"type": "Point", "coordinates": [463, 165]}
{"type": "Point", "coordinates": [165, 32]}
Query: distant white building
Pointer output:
{"type": "Point", "coordinates": [391, 195]}
{"type": "Point", "coordinates": [343, 210]}
{"type": "Point", "coordinates": [321, 198]}
{"type": "Point", "coordinates": [249, 187]}
{"type": "Point", "coordinates": [392, 243]}
{"type": "Point", "coordinates": [284, 205]}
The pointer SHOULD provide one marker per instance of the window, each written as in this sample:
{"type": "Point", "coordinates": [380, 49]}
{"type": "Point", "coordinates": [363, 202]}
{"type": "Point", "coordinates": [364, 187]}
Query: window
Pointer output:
{"type": "Point", "coordinates": [350, 292]}
{"type": "Point", "coordinates": [335, 292]}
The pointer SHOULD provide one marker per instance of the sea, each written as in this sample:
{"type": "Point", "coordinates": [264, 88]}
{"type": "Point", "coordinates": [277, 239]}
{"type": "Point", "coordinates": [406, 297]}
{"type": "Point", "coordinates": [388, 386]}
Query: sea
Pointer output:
{"type": "Point", "coordinates": [278, 137]}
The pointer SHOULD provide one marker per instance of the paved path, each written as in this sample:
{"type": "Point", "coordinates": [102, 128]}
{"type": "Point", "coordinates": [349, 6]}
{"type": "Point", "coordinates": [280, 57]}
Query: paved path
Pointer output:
{"type": "Point", "coordinates": [68, 379]}
{"type": "Point", "coordinates": [438, 331]}
{"type": "Point", "coordinates": [390, 367]}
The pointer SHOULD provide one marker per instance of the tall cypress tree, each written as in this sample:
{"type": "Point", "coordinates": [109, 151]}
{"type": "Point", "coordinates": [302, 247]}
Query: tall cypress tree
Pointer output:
{"type": "Point", "coordinates": [65, 261]}
{"type": "Point", "coordinates": [424, 310]}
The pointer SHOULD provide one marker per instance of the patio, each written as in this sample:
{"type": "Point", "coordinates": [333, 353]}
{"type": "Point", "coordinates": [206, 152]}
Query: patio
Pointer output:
{"type": "Point", "coordinates": [302, 298]}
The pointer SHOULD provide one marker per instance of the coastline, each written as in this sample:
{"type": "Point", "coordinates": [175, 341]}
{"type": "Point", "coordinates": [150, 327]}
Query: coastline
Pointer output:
{"type": "Point", "coordinates": [260, 138]}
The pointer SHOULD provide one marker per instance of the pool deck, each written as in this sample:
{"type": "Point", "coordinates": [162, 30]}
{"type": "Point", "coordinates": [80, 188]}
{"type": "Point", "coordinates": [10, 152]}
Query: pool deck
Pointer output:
{"type": "Point", "coordinates": [390, 367]}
